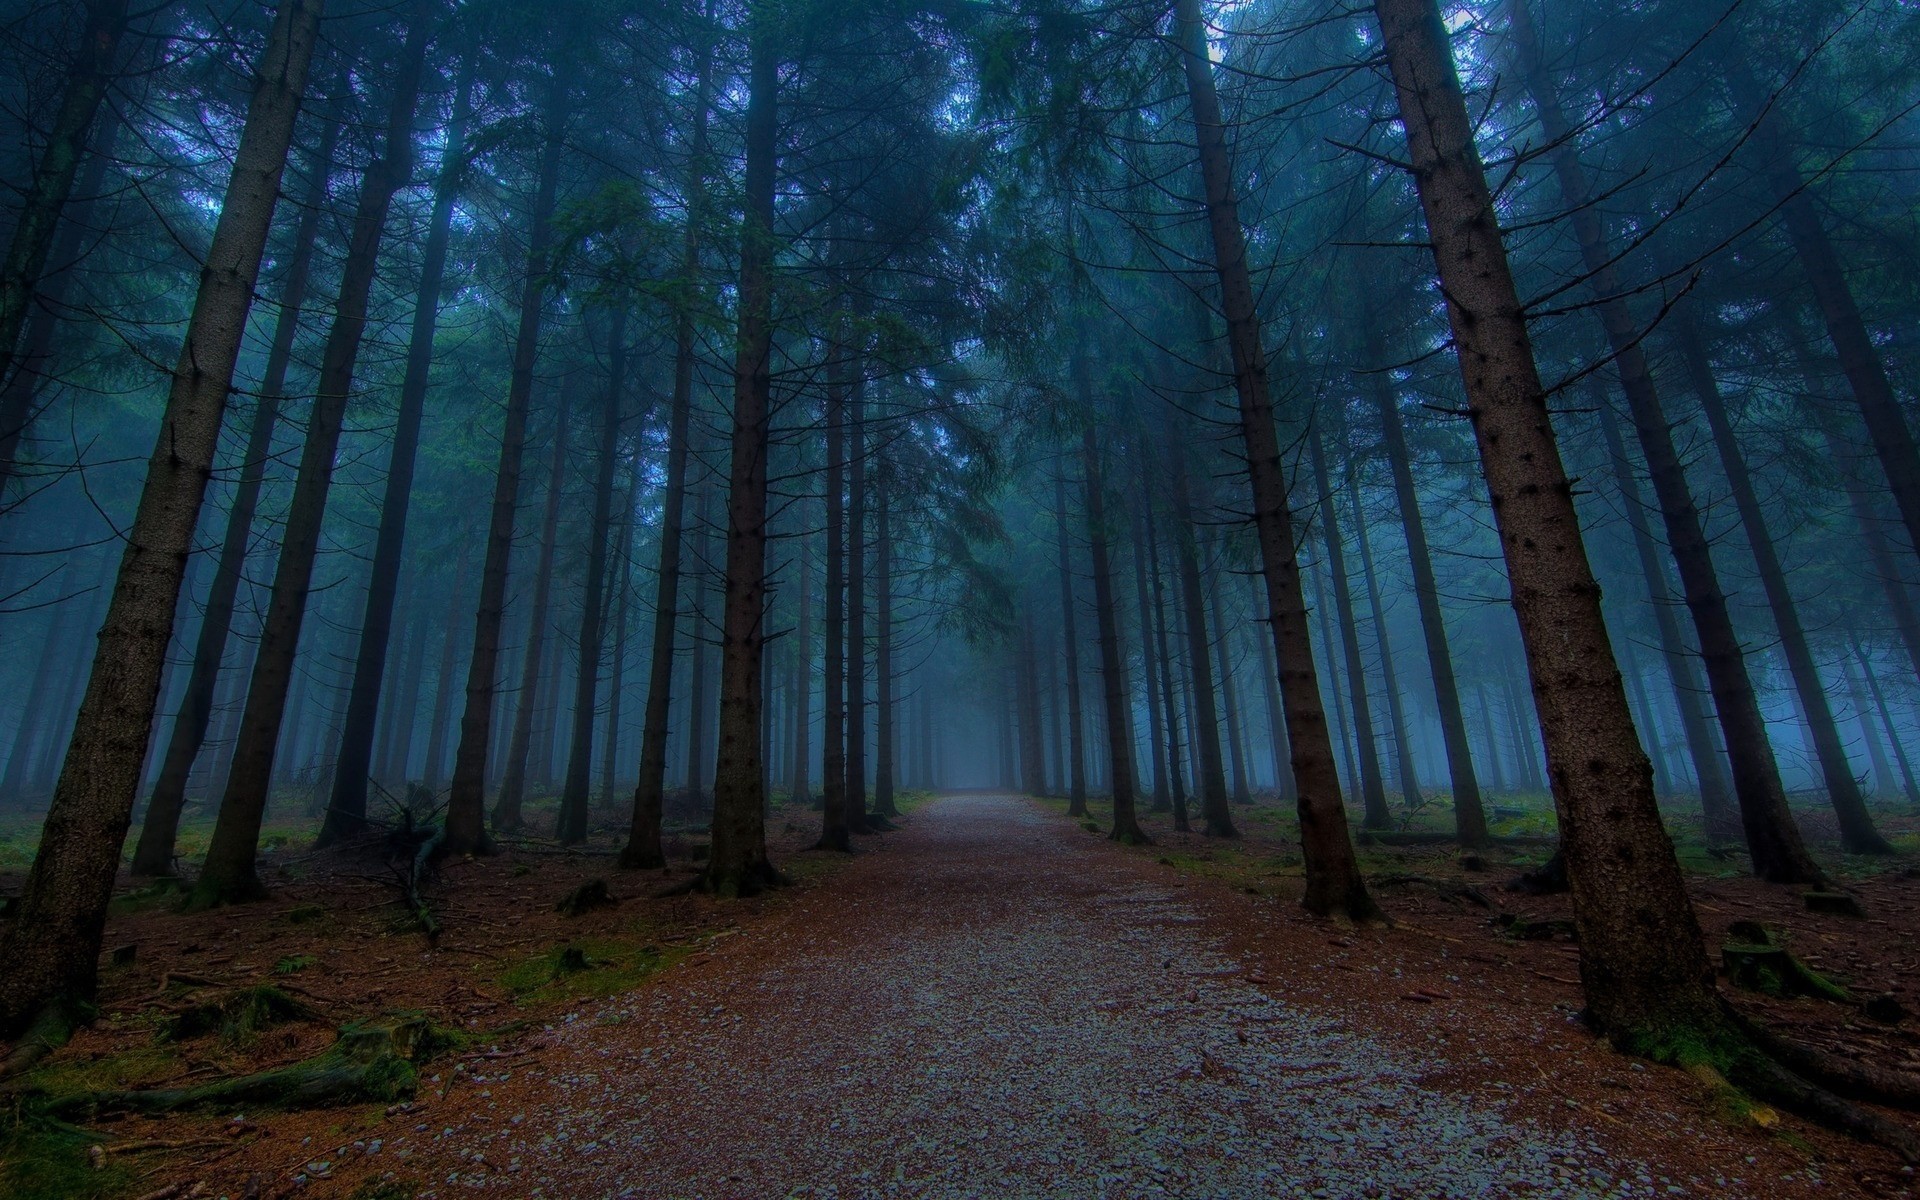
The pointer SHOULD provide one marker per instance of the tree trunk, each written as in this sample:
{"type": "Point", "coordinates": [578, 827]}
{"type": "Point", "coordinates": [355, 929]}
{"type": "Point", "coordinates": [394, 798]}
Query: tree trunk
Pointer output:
{"type": "Point", "coordinates": [1372, 788]}
{"type": "Point", "coordinates": [1496, 776]}
{"type": "Point", "coordinates": [1779, 854]}
{"type": "Point", "coordinates": [1150, 667]}
{"type": "Point", "coordinates": [347, 810]}
{"type": "Point", "coordinates": [1334, 885]}
{"type": "Point", "coordinates": [1647, 979]}
{"type": "Point", "coordinates": [228, 874]}
{"type": "Point", "coordinates": [1210, 784]}
{"type": "Point", "coordinates": [52, 946]}
{"type": "Point", "coordinates": [857, 821]}
{"type": "Point", "coordinates": [1389, 681]}
{"type": "Point", "coordinates": [1076, 772]}
{"type": "Point", "coordinates": [153, 855]}
{"type": "Point", "coordinates": [1113, 664]}
{"type": "Point", "coordinates": [623, 585]}
{"type": "Point", "coordinates": [1229, 693]}
{"type": "Point", "coordinates": [800, 789]}
{"type": "Point", "coordinates": [53, 175]}
{"type": "Point", "coordinates": [698, 702]}
{"type": "Point", "coordinates": [1276, 724]}
{"type": "Point", "coordinates": [833, 752]}
{"type": "Point", "coordinates": [466, 831]}
{"type": "Point", "coordinates": [1866, 373]}
{"type": "Point", "coordinates": [1883, 780]}
{"type": "Point", "coordinates": [1709, 765]}
{"type": "Point", "coordinates": [1469, 815]}
{"type": "Point", "coordinates": [399, 754]}
{"type": "Point", "coordinates": [1886, 722]}
{"type": "Point", "coordinates": [37, 717]}
{"type": "Point", "coordinates": [574, 792]}
{"type": "Point", "coordinates": [1177, 792]}
{"type": "Point", "coordinates": [507, 806]}
{"type": "Point", "coordinates": [1857, 834]}
{"type": "Point", "coordinates": [1341, 728]}
{"type": "Point", "coordinates": [737, 862]}
{"type": "Point", "coordinates": [883, 760]}
{"type": "Point", "coordinates": [431, 773]}
{"type": "Point", "coordinates": [1033, 754]}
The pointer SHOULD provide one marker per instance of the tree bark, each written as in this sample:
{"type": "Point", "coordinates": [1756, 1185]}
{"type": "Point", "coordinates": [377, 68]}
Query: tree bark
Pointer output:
{"type": "Point", "coordinates": [1229, 693]}
{"type": "Point", "coordinates": [856, 781]}
{"type": "Point", "coordinates": [833, 751]}
{"type": "Point", "coordinates": [1469, 814]}
{"type": "Point", "coordinates": [1076, 772]}
{"type": "Point", "coordinates": [52, 946]}
{"type": "Point", "coordinates": [1177, 792]}
{"type": "Point", "coordinates": [431, 773]}
{"type": "Point", "coordinates": [1334, 885]}
{"type": "Point", "coordinates": [574, 793]}
{"type": "Point", "coordinates": [153, 855]}
{"type": "Point", "coordinates": [1113, 664]}
{"type": "Point", "coordinates": [53, 175]}
{"type": "Point", "coordinates": [1210, 783]}
{"type": "Point", "coordinates": [1642, 960]}
{"type": "Point", "coordinates": [466, 831]}
{"type": "Point", "coordinates": [737, 863]}
{"type": "Point", "coordinates": [228, 875]}
{"type": "Point", "coordinates": [1779, 854]}
{"type": "Point", "coordinates": [698, 702]}
{"type": "Point", "coordinates": [347, 809]}
{"type": "Point", "coordinates": [1857, 833]}
{"type": "Point", "coordinates": [1886, 722]}
{"type": "Point", "coordinates": [883, 756]}
{"type": "Point", "coordinates": [1373, 790]}
{"type": "Point", "coordinates": [1389, 681]}
{"type": "Point", "coordinates": [800, 789]}
{"type": "Point", "coordinates": [1709, 765]}
{"type": "Point", "coordinates": [507, 806]}
{"type": "Point", "coordinates": [1150, 668]}
{"type": "Point", "coordinates": [617, 680]}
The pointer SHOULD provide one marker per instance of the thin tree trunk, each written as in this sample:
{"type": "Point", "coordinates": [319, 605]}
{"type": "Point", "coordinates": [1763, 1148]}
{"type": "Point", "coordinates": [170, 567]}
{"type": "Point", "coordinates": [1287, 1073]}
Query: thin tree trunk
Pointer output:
{"type": "Point", "coordinates": [1276, 724]}
{"type": "Point", "coordinates": [1886, 721]}
{"type": "Point", "coordinates": [1334, 885]}
{"type": "Point", "coordinates": [1342, 730]}
{"type": "Point", "coordinates": [1645, 971]}
{"type": "Point", "coordinates": [1779, 853]}
{"type": "Point", "coordinates": [153, 855]}
{"type": "Point", "coordinates": [1709, 765]}
{"type": "Point", "coordinates": [800, 789]}
{"type": "Point", "coordinates": [574, 797]}
{"type": "Point", "coordinates": [1883, 780]}
{"type": "Point", "coordinates": [737, 862]}
{"type": "Point", "coordinates": [52, 946]}
{"type": "Point", "coordinates": [883, 761]}
{"type": "Point", "coordinates": [228, 875]}
{"type": "Point", "coordinates": [857, 819]}
{"type": "Point", "coordinates": [36, 717]}
{"type": "Point", "coordinates": [1372, 788]}
{"type": "Point", "coordinates": [53, 175]}
{"type": "Point", "coordinates": [1076, 773]}
{"type": "Point", "coordinates": [436, 763]}
{"type": "Point", "coordinates": [466, 831]}
{"type": "Point", "coordinates": [1389, 680]}
{"type": "Point", "coordinates": [1229, 695]}
{"type": "Point", "coordinates": [1211, 778]}
{"type": "Point", "coordinates": [617, 680]}
{"type": "Point", "coordinates": [1857, 833]}
{"type": "Point", "coordinates": [833, 751]}
{"type": "Point", "coordinates": [1177, 792]}
{"type": "Point", "coordinates": [508, 805]}
{"type": "Point", "coordinates": [1057, 759]}
{"type": "Point", "coordinates": [1469, 815]}
{"type": "Point", "coordinates": [407, 704]}
{"type": "Point", "coordinates": [1113, 664]}
{"type": "Point", "coordinates": [1866, 373]}
{"type": "Point", "coordinates": [698, 702]}
{"type": "Point", "coordinates": [346, 811]}
{"type": "Point", "coordinates": [1496, 777]}
{"type": "Point", "coordinates": [1033, 754]}
{"type": "Point", "coordinates": [1150, 667]}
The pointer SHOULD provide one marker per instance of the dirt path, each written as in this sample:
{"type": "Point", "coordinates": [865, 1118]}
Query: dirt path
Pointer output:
{"type": "Point", "coordinates": [992, 1003]}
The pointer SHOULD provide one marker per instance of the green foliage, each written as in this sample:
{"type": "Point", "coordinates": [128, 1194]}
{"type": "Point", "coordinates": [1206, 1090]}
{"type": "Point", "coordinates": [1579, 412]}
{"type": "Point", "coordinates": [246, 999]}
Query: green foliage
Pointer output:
{"type": "Point", "coordinates": [45, 1159]}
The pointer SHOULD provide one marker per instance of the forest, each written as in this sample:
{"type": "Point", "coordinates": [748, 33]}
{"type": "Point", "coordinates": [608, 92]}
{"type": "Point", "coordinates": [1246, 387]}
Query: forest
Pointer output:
{"type": "Point", "coordinates": [959, 597]}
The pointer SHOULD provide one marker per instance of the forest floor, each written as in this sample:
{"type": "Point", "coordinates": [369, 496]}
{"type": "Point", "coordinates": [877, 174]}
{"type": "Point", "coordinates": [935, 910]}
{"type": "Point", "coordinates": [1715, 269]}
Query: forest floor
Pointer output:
{"type": "Point", "coordinates": [991, 1001]}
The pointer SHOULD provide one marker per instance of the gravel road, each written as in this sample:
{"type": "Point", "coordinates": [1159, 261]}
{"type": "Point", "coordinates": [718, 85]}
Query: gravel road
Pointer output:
{"type": "Point", "coordinates": [989, 1006]}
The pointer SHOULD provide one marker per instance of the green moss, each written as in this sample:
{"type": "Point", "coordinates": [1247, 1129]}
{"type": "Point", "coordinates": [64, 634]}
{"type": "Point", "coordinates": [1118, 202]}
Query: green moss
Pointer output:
{"type": "Point", "coordinates": [43, 1159]}
{"type": "Point", "coordinates": [141, 1066]}
{"type": "Point", "coordinates": [589, 967]}
{"type": "Point", "coordinates": [305, 914]}
{"type": "Point", "coordinates": [158, 894]}
{"type": "Point", "coordinates": [293, 964]}
{"type": "Point", "coordinates": [239, 1016]}
{"type": "Point", "coordinates": [386, 1189]}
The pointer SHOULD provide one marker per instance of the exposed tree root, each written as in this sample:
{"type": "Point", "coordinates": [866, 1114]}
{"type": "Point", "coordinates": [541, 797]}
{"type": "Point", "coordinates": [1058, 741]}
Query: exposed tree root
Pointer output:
{"type": "Point", "coordinates": [1447, 889]}
{"type": "Point", "coordinates": [368, 1063]}
{"type": "Point", "coordinates": [49, 1031]}
{"type": "Point", "coordinates": [1549, 880]}
{"type": "Point", "coordinates": [1855, 1080]}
